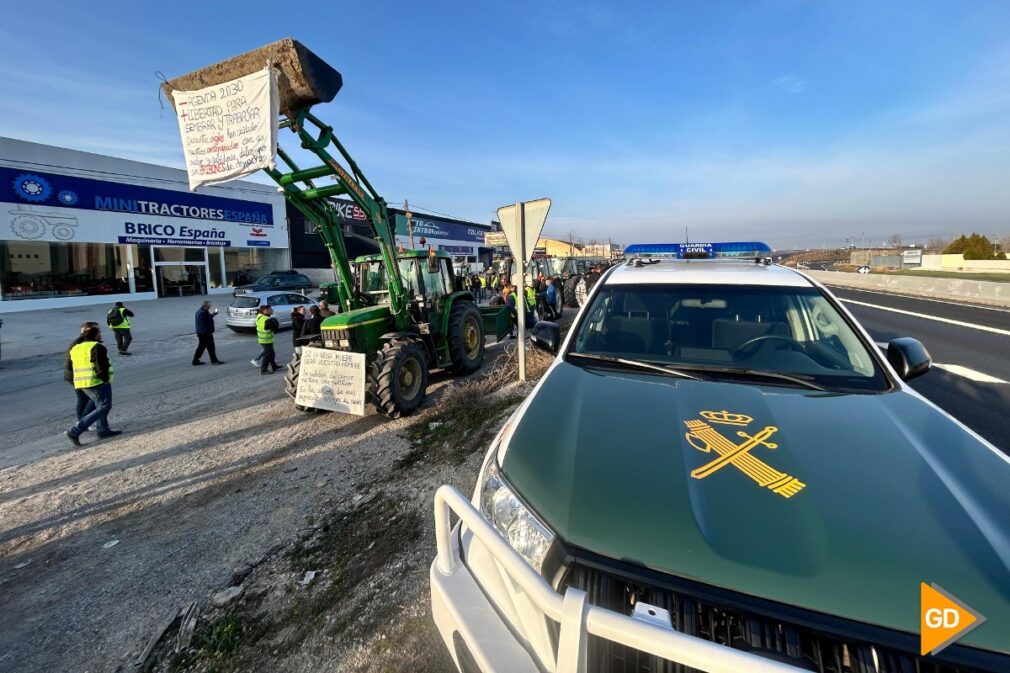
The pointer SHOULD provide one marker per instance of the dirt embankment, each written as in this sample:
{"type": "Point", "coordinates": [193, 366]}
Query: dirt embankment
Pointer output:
{"type": "Point", "coordinates": [350, 592]}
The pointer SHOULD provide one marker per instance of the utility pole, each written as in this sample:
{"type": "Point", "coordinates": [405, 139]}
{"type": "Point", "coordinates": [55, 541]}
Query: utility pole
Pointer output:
{"type": "Point", "coordinates": [410, 224]}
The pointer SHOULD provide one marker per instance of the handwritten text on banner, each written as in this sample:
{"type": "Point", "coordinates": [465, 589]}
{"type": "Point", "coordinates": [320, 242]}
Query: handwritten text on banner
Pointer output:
{"type": "Point", "coordinates": [333, 380]}
{"type": "Point", "coordinates": [229, 130]}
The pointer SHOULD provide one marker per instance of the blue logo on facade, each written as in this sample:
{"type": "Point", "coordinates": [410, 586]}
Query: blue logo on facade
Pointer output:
{"type": "Point", "coordinates": [31, 187]}
{"type": "Point", "coordinates": [67, 197]}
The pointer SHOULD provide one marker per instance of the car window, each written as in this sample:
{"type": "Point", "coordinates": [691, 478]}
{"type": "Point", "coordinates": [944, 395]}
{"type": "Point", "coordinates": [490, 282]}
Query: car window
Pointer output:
{"type": "Point", "coordinates": [302, 281]}
{"type": "Point", "coordinates": [277, 300]}
{"type": "Point", "coordinates": [245, 302]}
{"type": "Point", "coordinates": [297, 299]}
{"type": "Point", "coordinates": [784, 330]}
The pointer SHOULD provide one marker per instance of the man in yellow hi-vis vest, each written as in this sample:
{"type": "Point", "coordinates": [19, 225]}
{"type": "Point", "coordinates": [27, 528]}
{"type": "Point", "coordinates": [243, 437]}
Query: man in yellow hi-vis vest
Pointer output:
{"type": "Point", "coordinates": [266, 327]}
{"type": "Point", "coordinates": [92, 375]}
{"type": "Point", "coordinates": [119, 320]}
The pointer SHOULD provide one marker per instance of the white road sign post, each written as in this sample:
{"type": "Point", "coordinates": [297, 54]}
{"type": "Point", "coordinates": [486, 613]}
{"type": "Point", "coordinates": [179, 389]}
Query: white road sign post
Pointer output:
{"type": "Point", "coordinates": [522, 224]}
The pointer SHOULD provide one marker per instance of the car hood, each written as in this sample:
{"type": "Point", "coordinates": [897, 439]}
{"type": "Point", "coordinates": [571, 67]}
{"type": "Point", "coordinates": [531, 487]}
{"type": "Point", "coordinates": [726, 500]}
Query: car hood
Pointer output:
{"type": "Point", "coordinates": [888, 492]}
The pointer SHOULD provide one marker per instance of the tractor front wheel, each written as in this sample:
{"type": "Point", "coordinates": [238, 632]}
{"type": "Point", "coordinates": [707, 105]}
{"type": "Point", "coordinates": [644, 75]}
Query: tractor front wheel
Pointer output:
{"type": "Point", "coordinates": [466, 338]}
{"type": "Point", "coordinates": [398, 378]}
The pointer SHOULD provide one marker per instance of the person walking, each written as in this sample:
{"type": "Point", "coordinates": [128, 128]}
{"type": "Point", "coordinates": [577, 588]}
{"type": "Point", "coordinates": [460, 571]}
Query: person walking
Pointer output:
{"type": "Point", "coordinates": [266, 330]}
{"type": "Point", "coordinates": [118, 319]}
{"type": "Point", "coordinates": [85, 405]}
{"type": "Point", "coordinates": [324, 309]}
{"type": "Point", "coordinates": [297, 325]}
{"type": "Point", "coordinates": [92, 374]}
{"type": "Point", "coordinates": [205, 335]}
{"type": "Point", "coordinates": [312, 329]}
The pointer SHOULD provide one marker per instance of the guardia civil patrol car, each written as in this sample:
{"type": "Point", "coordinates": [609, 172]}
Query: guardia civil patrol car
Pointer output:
{"type": "Point", "coordinates": [722, 472]}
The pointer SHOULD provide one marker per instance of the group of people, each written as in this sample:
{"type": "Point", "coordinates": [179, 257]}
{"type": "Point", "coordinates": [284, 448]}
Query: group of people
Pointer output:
{"type": "Point", "coordinates": [305, 328]}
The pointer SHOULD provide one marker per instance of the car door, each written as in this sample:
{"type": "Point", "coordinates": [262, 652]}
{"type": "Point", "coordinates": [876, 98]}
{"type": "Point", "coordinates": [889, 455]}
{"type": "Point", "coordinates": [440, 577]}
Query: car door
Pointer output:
{"type": "Point", "coordinates": [282, 310]}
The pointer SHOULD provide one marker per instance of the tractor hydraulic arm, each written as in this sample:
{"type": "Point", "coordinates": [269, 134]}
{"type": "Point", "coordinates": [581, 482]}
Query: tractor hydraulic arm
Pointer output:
{"type": "Point", "coordinates": [313, 201]}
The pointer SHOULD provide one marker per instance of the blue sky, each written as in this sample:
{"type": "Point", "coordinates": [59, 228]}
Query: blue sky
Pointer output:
{"type": "Point", "coordinates": [802, 123]}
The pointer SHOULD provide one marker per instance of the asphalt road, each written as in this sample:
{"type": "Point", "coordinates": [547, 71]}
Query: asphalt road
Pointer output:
{"type": "Point", "coordinates": [967, 357]}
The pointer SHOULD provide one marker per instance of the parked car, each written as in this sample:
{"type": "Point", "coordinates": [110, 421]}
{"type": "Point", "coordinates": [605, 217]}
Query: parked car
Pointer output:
{"type": "Point", "coordinates": [242, 311]}
{"type": "Point", "coordinates": [277, 280]}
{"type": "Point", "coordinates": [863, 269]}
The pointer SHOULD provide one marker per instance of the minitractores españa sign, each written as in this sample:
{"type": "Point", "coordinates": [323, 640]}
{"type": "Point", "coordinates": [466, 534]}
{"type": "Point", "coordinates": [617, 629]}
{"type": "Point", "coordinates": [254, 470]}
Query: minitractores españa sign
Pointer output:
{"type": "Point", "coordinates": [703, 436]}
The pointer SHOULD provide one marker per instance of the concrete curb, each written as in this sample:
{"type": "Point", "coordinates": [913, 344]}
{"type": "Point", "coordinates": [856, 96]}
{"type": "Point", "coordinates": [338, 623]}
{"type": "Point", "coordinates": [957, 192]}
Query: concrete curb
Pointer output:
{"type": "Point", "coordinates": [964, 290]}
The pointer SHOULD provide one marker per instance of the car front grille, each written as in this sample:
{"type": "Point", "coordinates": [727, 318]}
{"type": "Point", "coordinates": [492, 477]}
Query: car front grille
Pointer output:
{"type": "Point", "coordinates": [784, 641]}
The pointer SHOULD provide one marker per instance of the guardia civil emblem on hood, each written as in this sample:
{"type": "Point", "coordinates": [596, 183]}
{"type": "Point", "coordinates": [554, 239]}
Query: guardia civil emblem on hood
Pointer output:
{"type": "Point", "coordinates": [702, 436]}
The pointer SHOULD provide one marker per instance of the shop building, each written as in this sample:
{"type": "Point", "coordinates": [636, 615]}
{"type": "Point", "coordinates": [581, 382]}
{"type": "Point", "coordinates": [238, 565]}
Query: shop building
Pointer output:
{"type": "Point", "coordinates": [81, 228]}
{"type": "Point", "coordinates": [461, 239]}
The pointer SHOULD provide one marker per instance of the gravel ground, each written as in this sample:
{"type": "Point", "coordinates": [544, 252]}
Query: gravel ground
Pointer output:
{"type": "Point", "coordinates": [217, 477]}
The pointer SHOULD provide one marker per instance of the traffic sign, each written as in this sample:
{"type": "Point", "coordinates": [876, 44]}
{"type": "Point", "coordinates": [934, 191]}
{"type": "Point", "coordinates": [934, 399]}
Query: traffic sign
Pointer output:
{"type": "Point", "coordinates": [522, 224]}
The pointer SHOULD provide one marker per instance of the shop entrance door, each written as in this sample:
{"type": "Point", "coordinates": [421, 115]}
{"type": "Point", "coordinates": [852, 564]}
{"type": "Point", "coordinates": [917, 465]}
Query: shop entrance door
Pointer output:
{"type": "Point", "coordinates": [177, 280]}
{"type": "Point", "coordinates": [180, 271]}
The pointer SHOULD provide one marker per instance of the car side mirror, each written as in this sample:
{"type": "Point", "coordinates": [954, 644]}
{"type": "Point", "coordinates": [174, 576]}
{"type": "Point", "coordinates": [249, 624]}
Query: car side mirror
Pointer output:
{"type": "Point", "coordinates": [908, 357]}
{"type": "Point", "coordinates": [546, 336]}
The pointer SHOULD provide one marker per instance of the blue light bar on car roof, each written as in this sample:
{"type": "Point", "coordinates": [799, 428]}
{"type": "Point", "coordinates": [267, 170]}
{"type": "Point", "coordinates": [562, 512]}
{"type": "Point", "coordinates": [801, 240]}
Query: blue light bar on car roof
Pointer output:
{"type": "Point", "coordinates": [698, 250]}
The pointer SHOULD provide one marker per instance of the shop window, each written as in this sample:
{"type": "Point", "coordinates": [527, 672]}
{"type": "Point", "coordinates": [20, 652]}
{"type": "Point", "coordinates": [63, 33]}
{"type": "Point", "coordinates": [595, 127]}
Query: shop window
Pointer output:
{"type": "Point", "coordinates": [243, 266]}
{"type": "Point", "coordinates": [38, 269]}
{"type": "Point", "coordinates": [216, 267]}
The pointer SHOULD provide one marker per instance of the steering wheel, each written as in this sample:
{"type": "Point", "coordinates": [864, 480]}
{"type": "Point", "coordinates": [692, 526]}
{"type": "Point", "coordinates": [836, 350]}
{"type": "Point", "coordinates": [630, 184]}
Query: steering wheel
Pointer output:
{"type": "Point", "coordinates": [767, 337]}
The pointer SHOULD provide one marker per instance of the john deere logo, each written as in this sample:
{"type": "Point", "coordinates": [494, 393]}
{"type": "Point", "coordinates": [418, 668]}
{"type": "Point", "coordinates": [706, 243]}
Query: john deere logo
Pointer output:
{"type": "Point", "coordinates": [702, 436]}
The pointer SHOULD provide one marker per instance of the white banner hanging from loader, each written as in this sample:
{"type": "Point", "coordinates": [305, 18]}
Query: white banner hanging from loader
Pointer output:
{"type": "Point", "coordinates": [333, 380]}
{"type": "Point", "coordinates": [229, 130]}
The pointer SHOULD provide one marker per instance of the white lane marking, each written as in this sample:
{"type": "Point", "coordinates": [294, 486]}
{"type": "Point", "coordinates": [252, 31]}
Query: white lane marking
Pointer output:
{"type": "Point", "coordinates": [969, 373]}
{"type": "Point", "coordinates": [921, 298]}
{"type": "Point", "coordinates": [959, 323]}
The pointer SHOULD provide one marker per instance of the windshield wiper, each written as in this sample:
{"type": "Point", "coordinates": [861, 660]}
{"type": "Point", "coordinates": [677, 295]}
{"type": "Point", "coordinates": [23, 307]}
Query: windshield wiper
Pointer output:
{"type": "Point", "coordinates": [636, 364]}
{"type": "Point", "coordinates": [760, 373]}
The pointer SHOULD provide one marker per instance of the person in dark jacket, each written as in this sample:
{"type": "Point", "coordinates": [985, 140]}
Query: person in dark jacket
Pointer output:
{"type": "Point", "coordinates": [312, 330]}
{"type": "Point", "coordinates": [324, 309]}
{"type": "Point", "coordinates": [85, 405]}
{"type": "Point", "coordinates": [92, 373]}
{"type": "Point", "coordinates": [205, 335]}
{"type": "Point", "coordinates": [297, 323]}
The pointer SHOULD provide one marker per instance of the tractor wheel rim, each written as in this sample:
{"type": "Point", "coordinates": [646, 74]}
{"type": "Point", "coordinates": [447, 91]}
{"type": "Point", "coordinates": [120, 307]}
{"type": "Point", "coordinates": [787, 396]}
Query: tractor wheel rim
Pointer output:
{"type": "Point", "coordinates": [409, 379]}
{"type": "Point", "coordinates": [471, 339]}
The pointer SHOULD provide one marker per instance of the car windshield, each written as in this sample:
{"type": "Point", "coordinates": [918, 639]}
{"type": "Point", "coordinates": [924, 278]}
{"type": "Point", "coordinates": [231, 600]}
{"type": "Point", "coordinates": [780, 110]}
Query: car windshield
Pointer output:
{"type": "Point", "coordinates": [245, 302]}
{"type": "Point", "coordinates": [730, 331]}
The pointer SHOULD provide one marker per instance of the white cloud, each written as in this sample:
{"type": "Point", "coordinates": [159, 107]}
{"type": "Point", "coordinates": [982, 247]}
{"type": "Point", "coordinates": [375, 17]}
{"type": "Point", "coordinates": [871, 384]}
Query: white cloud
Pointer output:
{"type": "Point", "coordinates": [790, 84]}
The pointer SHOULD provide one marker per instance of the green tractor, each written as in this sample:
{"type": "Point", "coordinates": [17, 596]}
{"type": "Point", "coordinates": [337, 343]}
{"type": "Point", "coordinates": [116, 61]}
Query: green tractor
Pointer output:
{"type": "Point", "coordinates": [400, 309]}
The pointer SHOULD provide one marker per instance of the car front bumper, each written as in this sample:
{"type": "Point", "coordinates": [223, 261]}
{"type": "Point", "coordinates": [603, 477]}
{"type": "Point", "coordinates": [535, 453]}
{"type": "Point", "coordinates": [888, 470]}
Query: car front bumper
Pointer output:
{"type": "Point", "coordinates": [469, 599]}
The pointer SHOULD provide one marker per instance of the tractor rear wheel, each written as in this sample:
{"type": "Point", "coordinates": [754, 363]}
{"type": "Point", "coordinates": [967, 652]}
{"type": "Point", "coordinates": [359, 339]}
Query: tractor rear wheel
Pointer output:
{"type": "Point", "coordinates": [291, 380]}
{"type": "Point", "coordinates": [569, 293]}
{"type": "Point", "coordinates": [398, 378]}
{"type": "Point", "coordinates": [466, 338]}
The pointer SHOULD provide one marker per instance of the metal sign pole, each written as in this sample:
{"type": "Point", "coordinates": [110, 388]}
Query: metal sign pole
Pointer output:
{"type": "Point", "coordinates": [521, 299]}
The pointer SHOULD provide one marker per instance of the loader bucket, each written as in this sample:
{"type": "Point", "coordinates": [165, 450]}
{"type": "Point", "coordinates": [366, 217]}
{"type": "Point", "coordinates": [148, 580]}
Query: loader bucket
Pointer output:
{"type": "Point", "coordinates": [305, 79]}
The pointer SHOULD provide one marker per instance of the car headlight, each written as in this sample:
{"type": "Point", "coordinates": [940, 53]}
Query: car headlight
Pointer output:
{"type": "Point", "coordinates": [518, 525]}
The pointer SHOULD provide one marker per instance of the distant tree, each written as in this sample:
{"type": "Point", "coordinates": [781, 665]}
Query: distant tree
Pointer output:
{"type": "Point", "coordinates": [975, 246]}
{"type": "Point", "coordinates": [937, 243]}
{"type": "Point", "coordinates": [895, 240]}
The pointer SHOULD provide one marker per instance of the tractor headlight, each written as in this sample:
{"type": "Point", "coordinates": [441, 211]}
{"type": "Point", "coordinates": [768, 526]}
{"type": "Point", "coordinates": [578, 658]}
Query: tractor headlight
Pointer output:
{"type": "Point", "coordinates": [527, 534]}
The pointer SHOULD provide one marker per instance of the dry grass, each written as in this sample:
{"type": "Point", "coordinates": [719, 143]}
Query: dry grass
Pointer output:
{"type": "Point", "coordinates": [470, 411]}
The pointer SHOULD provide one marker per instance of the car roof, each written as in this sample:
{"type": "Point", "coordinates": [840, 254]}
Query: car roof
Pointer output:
{"type": "Point", "coordinates": [705, 272]}
{"type": "Point", "coordinates": [263, 294]}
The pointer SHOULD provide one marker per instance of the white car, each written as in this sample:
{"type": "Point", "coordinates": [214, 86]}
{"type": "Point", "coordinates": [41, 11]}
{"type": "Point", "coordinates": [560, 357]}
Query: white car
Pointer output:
{"type": "Point", "coordinates": [863, 269]}
{"type": "Point", "coordinates": [243, 309]}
